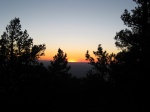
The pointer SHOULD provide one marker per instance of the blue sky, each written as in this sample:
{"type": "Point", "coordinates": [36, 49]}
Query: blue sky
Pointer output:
{"type": "Point", "coordinates": [75, 26]}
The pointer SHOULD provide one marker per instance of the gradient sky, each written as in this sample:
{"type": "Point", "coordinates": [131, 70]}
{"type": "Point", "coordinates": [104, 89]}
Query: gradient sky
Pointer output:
{"type": "Point", "coordinates": [75, 26]}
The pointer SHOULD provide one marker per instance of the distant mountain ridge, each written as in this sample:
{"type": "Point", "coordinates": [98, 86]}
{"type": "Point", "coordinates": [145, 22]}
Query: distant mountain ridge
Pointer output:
{"type": "Point", "coordinates": [78, 69]}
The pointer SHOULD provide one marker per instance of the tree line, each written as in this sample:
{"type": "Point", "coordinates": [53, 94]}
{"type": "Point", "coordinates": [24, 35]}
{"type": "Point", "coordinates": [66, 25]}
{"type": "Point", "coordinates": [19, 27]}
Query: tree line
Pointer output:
{"type": "Point", "coordinates": [116, 81]}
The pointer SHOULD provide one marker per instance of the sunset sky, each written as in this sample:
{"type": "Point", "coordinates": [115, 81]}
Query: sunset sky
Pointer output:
{"type": "Point", "coordinates": [75, 26]}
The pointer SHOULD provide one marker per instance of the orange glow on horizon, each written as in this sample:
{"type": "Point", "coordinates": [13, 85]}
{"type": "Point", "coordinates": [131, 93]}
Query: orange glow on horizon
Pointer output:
{"type": "Point", "coordinates": [69, 60]}
{"type": "Point", "coordinates": [72, 60]}
{"type": "Point", "coordinates": [72, 57]}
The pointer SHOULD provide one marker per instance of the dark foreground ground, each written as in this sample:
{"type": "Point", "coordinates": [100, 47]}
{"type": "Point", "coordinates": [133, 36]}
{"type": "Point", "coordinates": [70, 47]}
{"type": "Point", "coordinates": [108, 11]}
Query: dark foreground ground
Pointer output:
{"type": "Point", "coordinates": [74, 95]}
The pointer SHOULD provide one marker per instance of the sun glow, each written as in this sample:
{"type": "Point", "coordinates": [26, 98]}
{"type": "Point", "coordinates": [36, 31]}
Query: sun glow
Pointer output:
{"type": "Point", "coordinates": [71, 60]}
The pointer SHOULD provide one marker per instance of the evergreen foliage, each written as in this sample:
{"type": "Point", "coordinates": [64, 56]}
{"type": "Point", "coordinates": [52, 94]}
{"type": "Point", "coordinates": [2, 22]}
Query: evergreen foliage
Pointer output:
{"type": "Point", "coordinates": [16, 47]}
{"type": "Point", "coordinates": [117, 82]}
{"type": "Point", "coordinates": [59, 64]}
{"type": "Point", "coordinates": [103, 66]}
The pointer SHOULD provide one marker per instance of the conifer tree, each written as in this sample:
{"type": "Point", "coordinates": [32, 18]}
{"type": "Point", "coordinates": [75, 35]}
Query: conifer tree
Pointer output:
{"type": "Point", "coordinates": [134, 41]}
{"type": "Point", "coordinates": [59, 65]}
{"type": "Point", "coordinates": [102, 65]}
{"type": "Point", "coordinates": [16, 47]}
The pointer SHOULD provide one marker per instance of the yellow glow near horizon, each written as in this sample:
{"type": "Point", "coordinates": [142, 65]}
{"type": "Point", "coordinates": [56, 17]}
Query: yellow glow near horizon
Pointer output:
{"type": "Point", "coordinates": [69, 25]}
{"type": "Point", "coordinates": [72, 60]}
{"type": "Point", "coordinates": [69, 59]}
{"type": "Point", "coordinates": [71, 56]}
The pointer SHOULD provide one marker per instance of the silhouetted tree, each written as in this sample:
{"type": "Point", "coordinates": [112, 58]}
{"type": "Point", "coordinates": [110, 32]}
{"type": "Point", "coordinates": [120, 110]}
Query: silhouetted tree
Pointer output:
{"type": "Point", "coordinates": [102, 67]}
{"type": "Point", "coordinates": [134, 41]}
{"type": "Point", "coordinates": [59, 65]}
{"type": "Point", "coordinates": [133, 58]}
{"type": "Point", "coordinates": [16, 47]}
{"type": "Point", "coordinates": [19, 66]}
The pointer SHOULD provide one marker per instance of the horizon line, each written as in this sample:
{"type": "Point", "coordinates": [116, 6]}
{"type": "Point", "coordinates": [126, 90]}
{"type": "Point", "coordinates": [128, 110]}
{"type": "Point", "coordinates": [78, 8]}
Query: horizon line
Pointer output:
{"type": "Point", "coordinates": [68, 61]}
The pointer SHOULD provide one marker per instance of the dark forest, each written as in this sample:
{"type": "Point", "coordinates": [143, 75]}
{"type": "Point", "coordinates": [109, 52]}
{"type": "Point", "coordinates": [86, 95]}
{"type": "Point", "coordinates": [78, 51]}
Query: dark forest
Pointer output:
{"type": "Point", "coordinates": [116, 82]}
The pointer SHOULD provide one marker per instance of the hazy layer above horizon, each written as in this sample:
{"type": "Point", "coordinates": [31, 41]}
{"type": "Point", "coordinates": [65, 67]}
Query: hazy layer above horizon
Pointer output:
{"type": "Point", "coordinates": [78, 69]}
